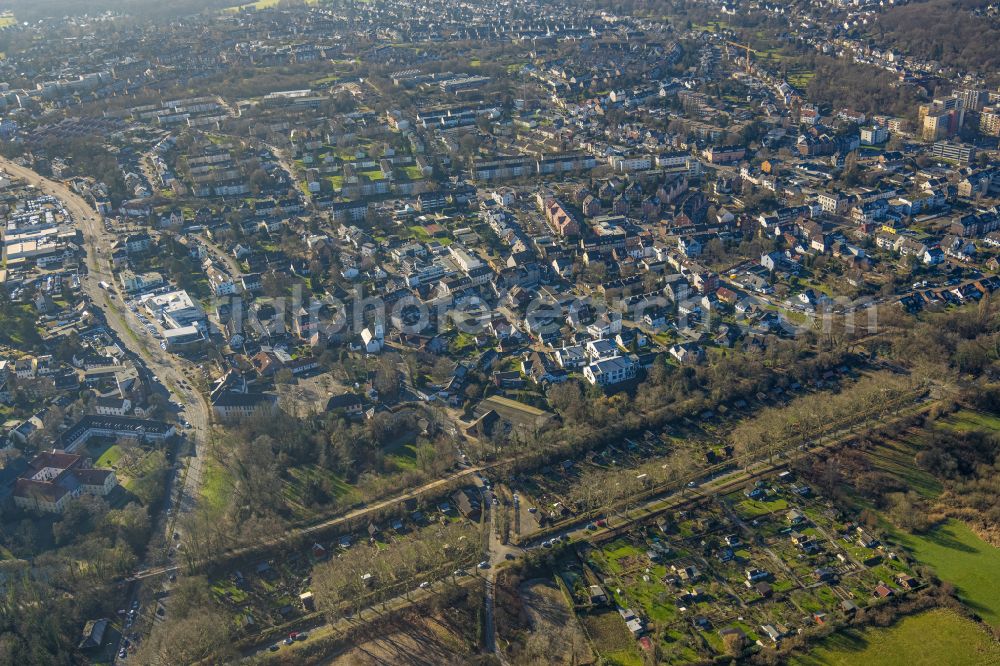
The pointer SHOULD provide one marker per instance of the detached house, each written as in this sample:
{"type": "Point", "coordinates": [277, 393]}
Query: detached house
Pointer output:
{"type": "Point", "coordinates": [350, 404]}
{"type": "Point", "coordinates": [611, 371]}
{"type": "Point", "coordinates": [687, 353]}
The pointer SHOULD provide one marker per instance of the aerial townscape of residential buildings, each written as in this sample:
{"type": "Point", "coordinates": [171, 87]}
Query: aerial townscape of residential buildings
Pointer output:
{"type": "Point", "coordinates": [558, 333]}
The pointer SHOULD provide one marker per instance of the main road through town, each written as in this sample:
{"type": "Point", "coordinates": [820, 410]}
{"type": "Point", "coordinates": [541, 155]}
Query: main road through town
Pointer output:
{"type": "Point", "coordinates": [166, 374]}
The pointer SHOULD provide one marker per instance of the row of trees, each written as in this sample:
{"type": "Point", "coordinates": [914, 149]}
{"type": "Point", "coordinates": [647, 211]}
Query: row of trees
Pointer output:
{"type": "Point", "coordinates": [367, 574]}
{"type": "Point", "coordinates": [772, 430]}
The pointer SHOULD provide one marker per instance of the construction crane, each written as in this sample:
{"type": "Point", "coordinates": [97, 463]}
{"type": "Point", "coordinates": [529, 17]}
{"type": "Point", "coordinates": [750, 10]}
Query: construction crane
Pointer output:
{"type": "Point", "coordinates": [743, 47]}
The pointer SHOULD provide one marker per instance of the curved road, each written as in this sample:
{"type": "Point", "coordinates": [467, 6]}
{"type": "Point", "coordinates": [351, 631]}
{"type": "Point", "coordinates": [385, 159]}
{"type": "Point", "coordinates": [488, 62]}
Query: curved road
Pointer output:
{"type": "Point", "coordinates": [170, 373]}
{"type": "Point", "coordinates": [166, 374]}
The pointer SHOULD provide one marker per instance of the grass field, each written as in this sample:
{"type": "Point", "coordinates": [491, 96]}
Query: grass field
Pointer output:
{"type": "Point", "coordinates": [110, 456]}
{"type": "Point", "coordinates": [711, 26]}
{"type": "Point", "coordinates": [965, 420]}
{"type": "Point", "coordinates": [964, 560]}
{"type": "Point", "coordinates": [420, 233]}
{"type": "Point", "coordinates": [929, 639]}
{"type": "Point", "coordinates": [326, 80]}
{"type": "Point", "coordinates": [216, 485]}
{"type": "Point", "coordinates": [750, 508]}
{"type": "Point", "coordinates": [413, 172]}
{"type": "Point", "coordinates": [263, 4]}
{"type": "Point", "coordinates": [295, 489]}
{"type": "Point", "coordinates": [402, 451]}
{"type": "Point", "coordinates": [896, 457]}
{"type": "Point", "coordinates": [610, 638]}
{"type": "Point", "coordinates": [7, 20]}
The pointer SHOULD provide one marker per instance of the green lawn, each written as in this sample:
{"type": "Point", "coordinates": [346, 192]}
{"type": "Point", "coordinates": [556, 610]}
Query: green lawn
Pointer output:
{"type": "Point", "coordinates": [420, 233]}
{"type": "Point", "coordinates": [897, 458]}
{"type": "Point", "coordinates": [964, 560]}
{"type": "Point", "coordinates": [965, 420]}
{"type": "Point", "coordinates": [461, 343]}
{"type": "Point", "coordinates": [403, 451]}
{"type": "Point", "coordinates": [263, 4]}
{"type": "Point", "coordinates": [750, 508]}
{"type": "Point", "coordinates": [629, 657]}
{"type": "Point", "coordinates": [610, 638]}
{"type": "Point", "coordinates": [260, 4]}
{"type": "Point", "coordinates": [295, 490]}
{"type": "Point", "coordinates": [225, 589]}
{"type": "Point", "coordinates": [712, 26]}
{"type": "Point", "coordinates": [333, 78]}
{"type": "Point", "coordinates": [110, 456]}
{"type": "Point", "coordinates": [801, 80]}
{"type": "Point", "coordinates": [405, 458]}
{"type": "Point", "coordinates": [933, 638]}
{"type": "Point", "coordinates": [616, 551]}
{"type": "Point", "coordinates": [216, 485]}
{"type": "Point", "coordinates": [413, 172]}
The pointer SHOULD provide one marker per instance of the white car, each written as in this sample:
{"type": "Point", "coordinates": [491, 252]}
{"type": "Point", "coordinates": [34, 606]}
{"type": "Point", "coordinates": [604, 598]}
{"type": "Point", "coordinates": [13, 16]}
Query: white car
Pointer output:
{"type": "Point", "coordinates": [424, 585]}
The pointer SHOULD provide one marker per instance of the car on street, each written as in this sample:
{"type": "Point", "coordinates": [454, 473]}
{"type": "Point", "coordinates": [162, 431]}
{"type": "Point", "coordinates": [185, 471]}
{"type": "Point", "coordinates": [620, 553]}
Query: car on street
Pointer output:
{"type": "Point", "coordinates": [274, 648]}
{"type": "Point", "coordinates": [424, 585]}
{"type": "Point", "coordinates": [484, 564]}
